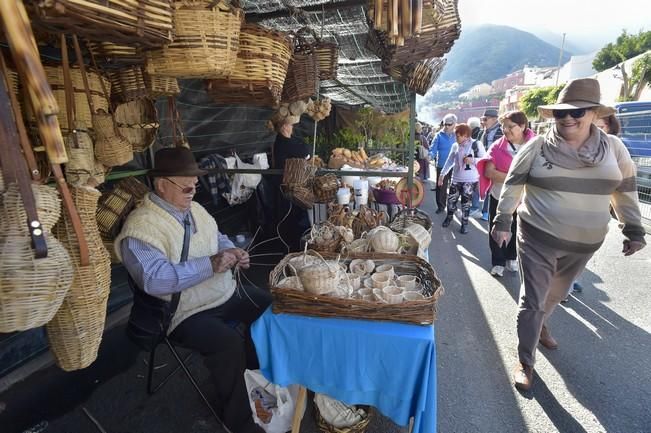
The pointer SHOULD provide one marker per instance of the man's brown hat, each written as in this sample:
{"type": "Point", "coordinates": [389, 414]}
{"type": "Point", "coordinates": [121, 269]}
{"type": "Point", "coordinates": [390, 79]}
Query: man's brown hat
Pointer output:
{"type": "Point", "coordinates": [175, 161]}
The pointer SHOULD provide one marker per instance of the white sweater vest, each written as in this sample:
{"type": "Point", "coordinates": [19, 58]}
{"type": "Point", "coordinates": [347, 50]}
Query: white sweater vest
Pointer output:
{"type": "Point", "coordinates": [153, 225]}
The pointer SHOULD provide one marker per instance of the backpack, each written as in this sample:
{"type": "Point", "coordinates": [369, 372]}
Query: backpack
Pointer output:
{"type": "Point", "coordinates": [475, 148]}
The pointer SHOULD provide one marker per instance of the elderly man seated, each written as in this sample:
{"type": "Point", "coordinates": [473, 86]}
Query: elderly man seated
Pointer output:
{"type": "Point", "coordinates": [150, 246]}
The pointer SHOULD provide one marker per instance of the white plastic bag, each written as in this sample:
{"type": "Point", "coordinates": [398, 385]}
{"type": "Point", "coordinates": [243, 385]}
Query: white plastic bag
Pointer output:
{"type": "Point", "coordinates": [243, 185]}
{"type": "Point", "coordinates": [272, 406]}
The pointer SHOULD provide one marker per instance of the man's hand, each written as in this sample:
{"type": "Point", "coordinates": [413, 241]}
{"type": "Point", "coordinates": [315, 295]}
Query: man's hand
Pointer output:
{"type": "Point", "coordinates": [631, 247]}
{"type": "Point", "coordinates": [500, 237]}
{"type": "Point", "coordinates": [242, 257]}
{"type": "Point", "coordinates": [223, 261]}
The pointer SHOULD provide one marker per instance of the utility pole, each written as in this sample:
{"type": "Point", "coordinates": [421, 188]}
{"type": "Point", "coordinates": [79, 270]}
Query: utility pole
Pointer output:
{"type": "Point", "coordinates": [560, 59]}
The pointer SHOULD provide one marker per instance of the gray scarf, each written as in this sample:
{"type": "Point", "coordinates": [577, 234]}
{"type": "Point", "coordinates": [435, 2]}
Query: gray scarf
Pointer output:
{"type": "Point", "coordinates": [591, 153]}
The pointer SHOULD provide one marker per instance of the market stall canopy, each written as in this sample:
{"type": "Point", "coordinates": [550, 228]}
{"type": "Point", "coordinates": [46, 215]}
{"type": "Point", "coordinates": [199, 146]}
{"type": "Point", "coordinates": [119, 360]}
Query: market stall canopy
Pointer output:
{"type": "Point", "coordinates": [362, 76]}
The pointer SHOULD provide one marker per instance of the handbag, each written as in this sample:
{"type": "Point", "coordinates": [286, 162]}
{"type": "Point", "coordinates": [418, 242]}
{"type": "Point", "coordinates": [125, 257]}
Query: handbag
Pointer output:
{"type": "Point", "coordinates": [151, 316]}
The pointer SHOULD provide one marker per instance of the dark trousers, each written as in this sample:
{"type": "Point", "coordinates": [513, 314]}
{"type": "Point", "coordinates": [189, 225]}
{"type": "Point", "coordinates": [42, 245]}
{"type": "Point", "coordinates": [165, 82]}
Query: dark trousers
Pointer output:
{"type": "Point", "coordinates": [442, 191]}
{"type": "Point", "coordinates": [499, 255]}
{"type": "Point", "coordinates": [465, 191]}
{"type": "Point", "coordinates": [226, 352]}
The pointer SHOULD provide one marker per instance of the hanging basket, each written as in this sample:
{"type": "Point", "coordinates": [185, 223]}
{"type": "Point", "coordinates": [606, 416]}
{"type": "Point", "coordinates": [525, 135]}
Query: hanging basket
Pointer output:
{"type": "Point", "coordinates": [327, 55]}
{"type": "Point", "coordinates": [127, 84]}
{"type": "Point", "coordinates": [161, 86]}
{"type": "Point", "coordinates": [420, 76]}
{"type": "Point", "coordinates": [31, 290]}
{"type": "Point", "coordinates": [111, 149]}
{"type": "Point", "coordinates": [82, 165]}
{"type": "Point", "coordinates": [259, 72]}
{"type": "Point", "coordinates": [54, 76]}
{"type": "Point", "coordinates": [76, 330]}
{"type": "Point", "coordinates": [108, 52]}
{"type": "Point", "coordinates": [301, 81]}
{"type": "Point", "coordinates": [137, 121]}
{"type": "Point", "coordinates": [206, 41]}
{"type": "Point", "coordinates": [146, 22]}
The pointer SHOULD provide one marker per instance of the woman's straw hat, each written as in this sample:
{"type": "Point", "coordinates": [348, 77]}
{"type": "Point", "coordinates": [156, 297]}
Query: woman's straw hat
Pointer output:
{"type": "Point", "coordinates": [579, 93]}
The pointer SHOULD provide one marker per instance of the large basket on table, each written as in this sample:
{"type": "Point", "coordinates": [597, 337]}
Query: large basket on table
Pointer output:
{"type": "Point", "coordinates": [144, 22]}
{"type": "Point", "coordinates": [325, 427]}
{"type": "Point", "coordinates": [76, 330]}
{"type": "Point", "coordinates": [260, 70]}
{"type": "Point", "coordinates": [54, 75]}
{"type": "Point", "coordinates": [422, 312]}
{"type": "Point", "coordinates": [206, 42]}
{"type": "Point", "coordinates": [407, 217]}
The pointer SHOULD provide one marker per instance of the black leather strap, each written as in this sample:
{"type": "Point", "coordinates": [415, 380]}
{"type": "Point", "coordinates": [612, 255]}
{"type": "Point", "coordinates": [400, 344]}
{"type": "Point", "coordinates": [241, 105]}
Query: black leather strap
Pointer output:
{"type": "Point", "coordinates": [187, 232]}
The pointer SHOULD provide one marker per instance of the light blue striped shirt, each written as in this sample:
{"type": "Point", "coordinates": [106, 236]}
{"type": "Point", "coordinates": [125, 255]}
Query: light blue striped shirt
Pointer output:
{"type": "Point", "coordinates": [151, 269]}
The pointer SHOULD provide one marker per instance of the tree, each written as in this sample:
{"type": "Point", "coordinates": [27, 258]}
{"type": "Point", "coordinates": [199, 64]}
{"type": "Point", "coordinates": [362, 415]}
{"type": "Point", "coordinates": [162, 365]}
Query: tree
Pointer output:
{"type": "Point", "coordinates": [538, 96]}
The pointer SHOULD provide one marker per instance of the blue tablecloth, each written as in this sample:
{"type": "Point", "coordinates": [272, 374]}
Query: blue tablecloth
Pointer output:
{"type": "Point", "coordinates": [391, 366]}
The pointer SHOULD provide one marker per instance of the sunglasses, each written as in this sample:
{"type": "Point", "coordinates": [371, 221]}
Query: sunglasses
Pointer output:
{"type": "Point", "coordinates": [184, 189]}
{"type": "Point", "coordinates": [576, 113]}
{"type": "Point", "coordinates": [448, 124]}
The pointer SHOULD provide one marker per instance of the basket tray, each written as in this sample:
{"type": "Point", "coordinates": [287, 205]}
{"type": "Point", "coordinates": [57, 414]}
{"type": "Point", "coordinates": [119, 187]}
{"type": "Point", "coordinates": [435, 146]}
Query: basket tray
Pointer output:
{"type": "Point", "coordinates": [415, 312]}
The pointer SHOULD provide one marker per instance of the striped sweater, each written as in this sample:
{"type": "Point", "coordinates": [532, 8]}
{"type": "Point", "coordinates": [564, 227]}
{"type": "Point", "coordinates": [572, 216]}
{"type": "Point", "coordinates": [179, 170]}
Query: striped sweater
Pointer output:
{"type": "Point", "coordinates": [568, 209]}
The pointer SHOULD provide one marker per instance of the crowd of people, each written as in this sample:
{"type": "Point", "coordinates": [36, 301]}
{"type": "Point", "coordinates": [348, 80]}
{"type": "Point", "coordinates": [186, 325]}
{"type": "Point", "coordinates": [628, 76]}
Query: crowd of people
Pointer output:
{"type": "Point", "coordinates": [548, 199]}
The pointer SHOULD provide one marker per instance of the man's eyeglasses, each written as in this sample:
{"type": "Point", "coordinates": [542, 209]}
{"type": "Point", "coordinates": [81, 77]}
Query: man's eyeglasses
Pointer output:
{"type": "Point", "coordinates": [448, 124]}
{"type": "Point", "coordinates": [576, 113]}
{"type": "Point", "coordinates": [184, 189]}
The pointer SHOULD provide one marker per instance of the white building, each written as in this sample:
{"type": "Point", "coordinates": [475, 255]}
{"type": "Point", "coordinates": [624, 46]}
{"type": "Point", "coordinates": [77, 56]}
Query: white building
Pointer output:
{"type": "Point", "coordinates": [478, 91]}
{"type": "Point", "coordinates": [577, 67]}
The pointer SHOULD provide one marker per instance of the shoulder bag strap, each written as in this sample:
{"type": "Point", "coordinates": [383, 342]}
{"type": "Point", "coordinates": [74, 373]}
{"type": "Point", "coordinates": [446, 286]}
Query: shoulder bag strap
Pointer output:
{"type": "Point", "coordinates": [176, 297]}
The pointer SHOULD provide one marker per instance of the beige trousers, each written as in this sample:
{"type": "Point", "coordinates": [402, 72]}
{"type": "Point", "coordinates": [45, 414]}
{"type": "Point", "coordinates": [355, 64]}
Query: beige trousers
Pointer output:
{"type": "Point", "coordinates": [546, 275]}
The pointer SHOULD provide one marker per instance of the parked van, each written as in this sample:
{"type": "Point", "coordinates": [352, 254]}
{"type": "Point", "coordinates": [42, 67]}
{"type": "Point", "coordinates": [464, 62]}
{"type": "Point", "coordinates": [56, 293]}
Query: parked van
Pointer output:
{"type": "Point", "coordinates": [635, 118]}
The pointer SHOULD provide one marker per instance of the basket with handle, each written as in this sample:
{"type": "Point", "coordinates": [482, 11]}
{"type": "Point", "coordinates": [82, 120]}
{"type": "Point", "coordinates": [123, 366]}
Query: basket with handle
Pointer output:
{"type": "Point", "coordinates": [32, 290]}
{"type": "Point", "coordinates": [76, 330]}
{"type": "Point", "coordinates": [422, 311]}
{"type": "Point", "coordinates": [142, 22]}
{"type": "Point", "coordinates": [137, 121]}
{"type": "Point", "coordinates": [260, 70]}
{"type": "Point", "coordinates": [206, 43]}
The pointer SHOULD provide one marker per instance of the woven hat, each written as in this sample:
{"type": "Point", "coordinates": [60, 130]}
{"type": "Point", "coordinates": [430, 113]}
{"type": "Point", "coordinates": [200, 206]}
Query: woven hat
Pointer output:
{"type": "Point", "coordinates": [579, 93]}
{"type": "Point", "coordinates": [175, 161]}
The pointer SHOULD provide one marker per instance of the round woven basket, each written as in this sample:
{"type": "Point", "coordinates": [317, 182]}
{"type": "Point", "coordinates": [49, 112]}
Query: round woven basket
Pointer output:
{"type": "Point", "coordinates": [360, 427]}
{"type": "Point", "coordinates": [138, 122]}
{"type": "Point", "coordinates": [407, 217]}
{"type": "Point", "coordinates": [325, 188]}
{"type": "Point", "coordinates": [76, 330]}
{"type": "Point", "coordinates": [206, 42]}
{"type": "Point", "coordinates": [383, 240]}
{"type": "Point", "coordinates": [81, 165]}
{"type": "Point", "coordinates": [127, 84]}
{"type": "Point", "coordinates": [31, 290]}
{"type": "Point", "coordinates": [111, 149]}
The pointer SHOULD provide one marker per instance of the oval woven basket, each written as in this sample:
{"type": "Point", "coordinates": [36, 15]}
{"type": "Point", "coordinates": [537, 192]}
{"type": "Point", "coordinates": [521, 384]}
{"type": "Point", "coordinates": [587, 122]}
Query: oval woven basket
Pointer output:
{"type": "Point", "coordinates": [54, 75]}
{"type": "Point", "coordinates": [76, 330]}
{"type": "Point", "coordinates": [206, 43]}
{"type": "Point", "coordinates": [259, 72]}
{"type": "Point", "coordinates": [137, 121]}
{"type": "Point", "coordinates": [31, 290]}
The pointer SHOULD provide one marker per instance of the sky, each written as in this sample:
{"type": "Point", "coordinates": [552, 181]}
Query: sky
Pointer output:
{"type": "Point", "coordinates": [590, 23]}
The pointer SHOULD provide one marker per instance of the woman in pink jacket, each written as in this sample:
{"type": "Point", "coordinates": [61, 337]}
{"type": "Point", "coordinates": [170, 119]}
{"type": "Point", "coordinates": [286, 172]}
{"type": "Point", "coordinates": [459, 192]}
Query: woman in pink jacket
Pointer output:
{"type": "Point", "coordinates": [492, 173]}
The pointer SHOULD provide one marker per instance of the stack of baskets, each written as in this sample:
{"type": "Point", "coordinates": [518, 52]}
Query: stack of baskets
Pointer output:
{"type": "Point", "coordinates": [206, 43]}
{"type": "Point", "coordinates": [145, 22]}
{"type": "Point", "coordinates": [325, 188]}
{"type": "Point", "coordinates": [76, 330]}
{"type": "Point", "coordinates": [297, 182]}
{"type": "Point", "coordinates": [259, 72]}
{"type": "Point", "coordinates": [32, 290]}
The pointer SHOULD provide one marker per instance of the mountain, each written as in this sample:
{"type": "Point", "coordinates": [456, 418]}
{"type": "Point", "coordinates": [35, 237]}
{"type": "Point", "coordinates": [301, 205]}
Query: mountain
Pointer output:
{"type": "Point", "coordinates": [485, 53]}
{"type": "Point", "coordinates": [572, 43]}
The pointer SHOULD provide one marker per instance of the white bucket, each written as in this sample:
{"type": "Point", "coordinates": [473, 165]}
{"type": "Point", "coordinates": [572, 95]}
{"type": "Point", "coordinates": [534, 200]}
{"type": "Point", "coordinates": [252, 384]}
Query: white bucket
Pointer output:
{"type": "Point", "coordinates": [343, 196]}
{"type": "Point", "coordinates": [361, 193]}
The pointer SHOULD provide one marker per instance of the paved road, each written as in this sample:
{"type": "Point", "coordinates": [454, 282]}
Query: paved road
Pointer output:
{"type": "Point", "coordinates": [598, 381]}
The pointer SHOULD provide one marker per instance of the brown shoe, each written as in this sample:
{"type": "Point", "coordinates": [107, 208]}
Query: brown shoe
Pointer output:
{"type": "Point", "coordinates": [547, 340]}
{"type": "Point", "coordinates": [523, 376]}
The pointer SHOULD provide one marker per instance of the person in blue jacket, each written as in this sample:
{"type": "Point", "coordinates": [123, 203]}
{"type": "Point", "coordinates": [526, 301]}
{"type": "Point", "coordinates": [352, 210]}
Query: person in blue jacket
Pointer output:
{"type": "Point", "coordinates": [439, 150]}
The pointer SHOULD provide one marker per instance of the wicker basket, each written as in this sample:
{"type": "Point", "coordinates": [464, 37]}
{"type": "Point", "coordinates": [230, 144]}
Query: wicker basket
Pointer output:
{"type": "Point", "coordinates": [406, 217]}
{"type": "Point", "coordinates": [112, 210]}
{"type": "Point", "coordinates": [301, 81]}
{"type": "Point", "coordinates": [316, 242]}
{"type": "Point", "coordinates": [146, 22]}
{"type": "Point", "coordinates": [137, 121]}
{"type": "Point", "coordinates": [360, 427]}
{"type": "Point", "coordinates": [54, 76]}
{"type": "Point", "coordinates": [325, 188]}
{"type": "Point", "coordinates": [108, 52]}
{"type": "Point", "coordinates": [161, 86]}
{"type": "Point", "coordinates": [127, 84]}
{"type": "Point", "coordinates": [422, 312]}
{"type": "Point", "coordinates": [260, 71]}
{"type": "Point", "coordinates": [206, 43]}
{"type": "Point", "coordinates": [76, 330]}
{"type": "Point", "coordinates": [31, 290]}
{"type": "Point", "coordinates": [327, 55]}
{"type": "Point", "coordinates": [81, 165]}
{"type": "Point", "coordinates": [111, 149]}
{"type": "Point", "coordinates": [420, 76]}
